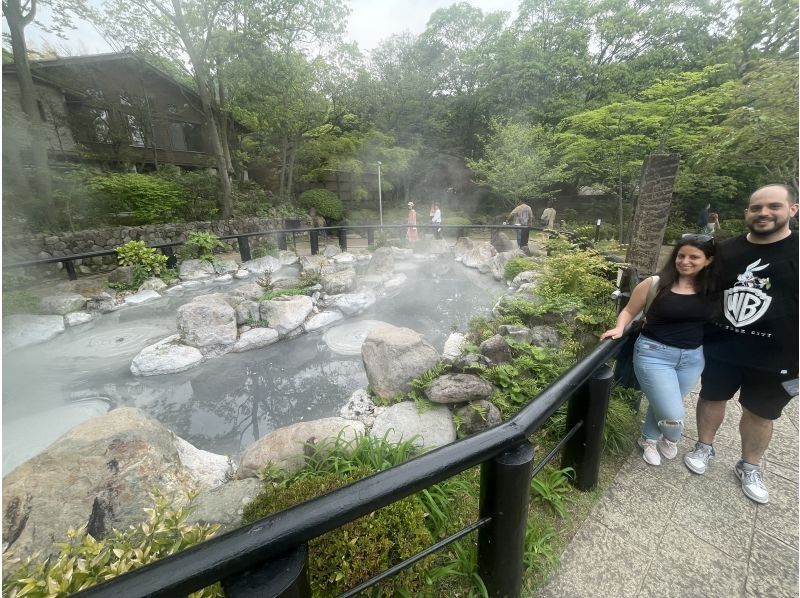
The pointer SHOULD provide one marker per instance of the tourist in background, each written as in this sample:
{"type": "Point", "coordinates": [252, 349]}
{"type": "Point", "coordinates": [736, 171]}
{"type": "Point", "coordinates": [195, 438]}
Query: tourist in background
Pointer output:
{"type": "Point", "coordinates": [411, 232]}
{"type": "Point", "coordinates": [702, 217]}
{"type": "Point", "coordinates": [668, 355]}
{"type": "Point", "coordinates": [751, 347]}
{"type": "Point", "coordinates": [548, 217]}
{"type": "Point", "coordinates": [521, 216]}
{"type": "Point", "coordinates": [712, 226]}
{"type": "Point", "coordinates": [436, 220]}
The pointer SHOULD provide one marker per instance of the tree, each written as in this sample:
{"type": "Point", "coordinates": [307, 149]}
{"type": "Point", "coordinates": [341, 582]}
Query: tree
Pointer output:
{"type": "Point", "coordinates": [518, 162]}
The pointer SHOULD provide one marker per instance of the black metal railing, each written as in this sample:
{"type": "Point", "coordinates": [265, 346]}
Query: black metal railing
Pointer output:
{"type": "Point", "coordinates": [281, 235]}
{"type": "Point", "coordinates": [269, 557]}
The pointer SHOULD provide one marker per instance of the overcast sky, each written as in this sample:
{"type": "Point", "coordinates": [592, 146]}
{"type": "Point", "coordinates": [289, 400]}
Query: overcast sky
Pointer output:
{"type": "Point", "coordinates": [370, 22]}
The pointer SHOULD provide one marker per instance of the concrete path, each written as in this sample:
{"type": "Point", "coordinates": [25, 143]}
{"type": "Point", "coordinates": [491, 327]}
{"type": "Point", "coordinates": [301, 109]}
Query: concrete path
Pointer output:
{"type": "Point", "coordinates": [664, 531]}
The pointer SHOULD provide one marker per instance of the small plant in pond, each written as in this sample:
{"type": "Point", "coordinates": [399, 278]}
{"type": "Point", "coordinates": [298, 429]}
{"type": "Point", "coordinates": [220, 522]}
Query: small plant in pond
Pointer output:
{"type": "Point", "coordinates": [82, 562]}
{"type": "Point", "coordinates": [309, 278]}
{"type": "Point", "coordinates": [281, 293]}
{"type": "Point", "coordinates": [202, 244]}
{"type": "Point", "coordinates": [256, 323]}
{"type": "Point", "coordinates": [140, 256]}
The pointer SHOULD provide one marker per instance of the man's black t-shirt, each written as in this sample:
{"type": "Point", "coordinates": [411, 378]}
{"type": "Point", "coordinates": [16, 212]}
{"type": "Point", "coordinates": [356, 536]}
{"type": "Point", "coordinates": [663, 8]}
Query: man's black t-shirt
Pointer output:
{"type": "Point", "coordinates": [756, 325]}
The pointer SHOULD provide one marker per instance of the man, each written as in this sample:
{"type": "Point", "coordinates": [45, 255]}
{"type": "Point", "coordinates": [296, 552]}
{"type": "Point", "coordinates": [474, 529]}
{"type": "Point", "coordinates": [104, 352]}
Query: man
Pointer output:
{"type": "Point", "coordinates": [702, 217]}
{"type": "Point", "coordinates": [522, 216]}
{"type": "Point", "coordinates": [752, 345]}
{"type": "Point", "coordinates": [436, 220]}
{"type": "Point", "coordinates": [548, 217]}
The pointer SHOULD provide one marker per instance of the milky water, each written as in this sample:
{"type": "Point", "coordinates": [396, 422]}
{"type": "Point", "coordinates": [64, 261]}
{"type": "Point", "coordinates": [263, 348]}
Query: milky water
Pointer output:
{"type": "Point", "coordinates": [227, 403]}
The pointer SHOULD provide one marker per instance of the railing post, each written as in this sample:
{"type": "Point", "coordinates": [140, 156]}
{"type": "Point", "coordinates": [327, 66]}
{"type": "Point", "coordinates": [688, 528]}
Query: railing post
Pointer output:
{"type": "Point", "coordinates": [282, 243]}
{"type": "Point", "coordinates": [370, 236]}
{"type": "Point", "coordinates": [505, 494]}
{"type": "Point", "coordinates": [172, 260]}
{"type": "Point", "coordinates": [244, 248]}
{"type": "Point", "coordinates": [284, 577]}
{"type": "Point", "coordinates": [70, 268]}
{"type": "Point", "coordinates": [313, 238]}
{"type": "Point", "coordinates": [460, 233]}
{"type": "Point", "coordinates": [343, 239]}
{"type": "Point", "coordinates": [588, 404]}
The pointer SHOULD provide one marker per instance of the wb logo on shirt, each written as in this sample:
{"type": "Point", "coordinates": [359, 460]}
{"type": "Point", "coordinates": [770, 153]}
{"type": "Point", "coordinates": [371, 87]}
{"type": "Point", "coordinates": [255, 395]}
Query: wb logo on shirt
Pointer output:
{"type": "Point", "coordinates": [745, 303]}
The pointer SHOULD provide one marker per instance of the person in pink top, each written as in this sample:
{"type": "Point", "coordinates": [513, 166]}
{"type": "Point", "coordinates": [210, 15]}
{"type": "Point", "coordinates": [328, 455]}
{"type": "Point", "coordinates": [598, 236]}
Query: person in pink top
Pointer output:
{"type": "Point", "coordinates": [411, 232]}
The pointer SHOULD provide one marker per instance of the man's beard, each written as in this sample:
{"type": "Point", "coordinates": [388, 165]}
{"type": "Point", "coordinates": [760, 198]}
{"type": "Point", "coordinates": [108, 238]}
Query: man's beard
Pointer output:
{"type": "Point", "coordinates": [777, 225]}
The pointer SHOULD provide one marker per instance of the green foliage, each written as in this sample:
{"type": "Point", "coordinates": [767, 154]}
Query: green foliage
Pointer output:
{"type": "Point", "coordinates": [201, 189]}
{"type": "Point", "coordinates": [146, 260]}
{"type": "Point", "coordinates": [150, 198]}
{"type": "Point", "coordinates": [309, 278]}
{"type": "Point", "coordinates": [539, 536]}
{"type": "Point", "coordinates": [327, 204]}
{"type": "Point", "coordinates": [282, 293]}
{"type": "Point", "coordinates": [262, 246]}
{"type": "Point", "coordinates": [516, 265]}
{"type": "Point", "coordinates": [479, 329]}
{"type": "Point", "coordinates": [202, 244]}
{"type": "Point", "coordinates": [82, 562]}
{"type": "Point", "coordinates": [19, 301]}
{"type": "Point", "coordinates": [552, 488]}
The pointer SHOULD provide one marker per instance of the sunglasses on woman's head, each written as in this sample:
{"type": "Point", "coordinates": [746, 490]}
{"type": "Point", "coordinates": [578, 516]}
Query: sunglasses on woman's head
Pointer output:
{"type": "Point", "coordinates": [698, 238]}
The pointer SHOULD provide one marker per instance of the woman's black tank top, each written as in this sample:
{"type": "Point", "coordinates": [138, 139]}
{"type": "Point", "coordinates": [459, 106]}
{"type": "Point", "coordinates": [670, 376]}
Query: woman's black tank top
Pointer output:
{"type": "Point", "coordinates": [678, 320]}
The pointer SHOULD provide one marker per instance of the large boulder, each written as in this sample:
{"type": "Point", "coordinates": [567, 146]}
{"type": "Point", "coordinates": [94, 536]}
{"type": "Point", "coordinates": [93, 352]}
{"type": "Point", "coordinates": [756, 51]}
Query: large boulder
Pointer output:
{"type": "Point", "coordinates": [496, 349]}
{"type": "Point", "coordinates": [264, 264]}
{"type": "Point", "coordinates": [321, 320]}
{"type": "Point", "coordinates": [546, 336]}
{"type": "Point", "coordinates": [312, 263]}
{"type": "Point", "coordinates": [359, 406]}
{"type": "Point", "coordinates": [167, 356]}
{"type": "Point", "coordinates": [21, 330]}
{"type": "Point", "coordinates": [141, 297]}
{"type": "Point", "coordinates": [497, 265]}
{"type": "Point", "coordinates": [208, 323]}
{"type": "Point", "coordinates": [382, 262]}
{"type": "Point", "coordinates": [224, 505]}
{"type": "Point", "coordinates": [195, 269]}
{"type": "Point", "coordinates": [480, 253]}
{"type": "Point", "coordinates": [102, 303]}
{"type": "Point", "coordinates": [454, 346]}
{"type": "Point", "coordinates": [350, 303]}
{"type": "Point", "coordinates": [393, 357]}
{"type": "Point", "coordinates": [427, 429]}
{"type": "Point", "coordinates": [97, 475]}
{"type": "Point", "coordinates": [63, 303]}
{"type": "Point", "coordinates": [501, 242]}
{"type": "Point", "coordinates": [338, 282]}
{"type": "Point", "coordinates": [458, 388]}
{"type": "Point", "coordinates": [255, 338]}
{"type": "Point", "coordinates": [251, 291]}
{"type": "Point", "coordinates": [477, 417]}
{"type": "Point", "coordinates": [525, 277]}
{"type": "Point", "coordinates": [121, 275]}
{"type": "Point", "coordinates": [286, 447]}
{"type": "Point", "coordinates": [287, 258]}
{"type": "Point", "coordinates": [462, 246]}
{"type": "Point", "coordinates": [287, 313]}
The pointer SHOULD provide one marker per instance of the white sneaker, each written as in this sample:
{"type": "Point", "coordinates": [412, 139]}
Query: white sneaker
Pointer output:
{"type": "Point", "coordinates": [667, 448]}
{"type": "Point", "coordinates": [752, 484]}
{"type": "Point", "coordinates": [650, 454]}
{"type": "Point", "coordinates": [697, 460]}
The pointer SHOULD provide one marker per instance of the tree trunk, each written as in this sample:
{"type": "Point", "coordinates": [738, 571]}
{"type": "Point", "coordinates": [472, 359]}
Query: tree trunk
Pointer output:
{"type": "Point", "coordinates": [290, 168]}
{"type": "Point", "coordinates": [43, 181]}
{"type": "Point", "coordinates": [652, 211]}
{"type": "Point", "coordinates": [284, 149]}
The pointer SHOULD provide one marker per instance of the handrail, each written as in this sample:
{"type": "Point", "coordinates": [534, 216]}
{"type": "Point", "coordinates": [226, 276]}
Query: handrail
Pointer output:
{"type": "Point", "coordinates": [258, 542]}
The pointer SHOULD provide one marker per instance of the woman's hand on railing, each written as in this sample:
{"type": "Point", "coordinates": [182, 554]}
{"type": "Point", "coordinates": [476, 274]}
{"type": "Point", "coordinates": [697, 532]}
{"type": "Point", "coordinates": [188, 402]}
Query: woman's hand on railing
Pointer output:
{"type": "Point", "coordinates": [615, 332]}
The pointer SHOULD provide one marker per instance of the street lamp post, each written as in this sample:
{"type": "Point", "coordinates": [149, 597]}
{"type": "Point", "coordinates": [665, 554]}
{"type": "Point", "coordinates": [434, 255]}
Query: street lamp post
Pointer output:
{"type": "Point", "coordinates": [380, 199]}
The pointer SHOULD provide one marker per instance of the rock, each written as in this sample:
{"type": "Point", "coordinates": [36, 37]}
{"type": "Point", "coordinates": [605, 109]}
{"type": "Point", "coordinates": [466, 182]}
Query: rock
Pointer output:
{"type": "Point", "coordinates": [286, 447]}
{"type": "Point", "coordinates": [153, 284]}
{"type": "Point", "coordinates": [195, 269]}
{"type": "Point", "coordinates": [546, 336]}
{"type": "Point", "coordinates": [519, 334]}
{"type": "Point", "coordinates": [402, 253]}
{"type": "Point", "coordinates": [471, 362]}
{"type": "Point", "coordinates": [496, 349]}
{"type": "Point", "coordinates": [224, 266]}
{"type": "Point", "coordinates": [501, 242]}
{"type": "Point", "coordinates": [176, 290]}
{"type": "Point", "coordinates": [225, 278]}
{"type": "Point", "coordinates": [286, 283]}
{"type": "Point", "coordinates": [497, 265]}
{"type": "Point", "coordinates": [312, 263]}
{"type": "Point", "coordinates": [350, 303]}
{"type": "Point", "coordinates": [458, 388]}
{"type": "Point", "coordinates": [403, 421]}
{"type": "Point", "coordinates": [63, 303]}
{"type": "Point", "coordinates": [22, 330]}
{"type": "Point", "coordinates": [263, 264]}
{"type": "Point", "coordinates": [477, 417]}
{"type": "Point", "coordinates": [224, 504]}
{"type": "Point", "coordinates": [344, 259]}
{"type": "Point", "coordinates": [242, 274]}
{"type": "Point", "coordinates": [454, 346]}
{"type": "Point", "coordinates": [102, 303]}
{"type": "Point", "coordinates": [255, 338]}
{"type": "Point", "coordinates": [439, 247]}
{"type": "Point", "coordinates": [167, 356]}
{"type": "Point", "coordinates": [526, 277]}
{"type": "Point", "coordinates": [393, 357]}
{"type": "Point", "coordinates": [141, 297]}
{"type": "Point", "coordinates": [382, 261]}
{"type": "Point", "coordinates": [252, 291]}
{"type": "Point", "coordinates": [331, 250]}
{"type": "Point", "coordinates": [287, 313]}
{"type": "Point", "coordinates": [395, 282]}
{"type": "Point", "coordinates": [246, 310]}
{"type": "Point", "coordinates": [287, 258]}
{"type": "Point", "coordinates": [463, 245]}
{"type": "Point", "coordinates": [336, 283]}
{"type": "Point", "coordinates": [359, 406]}
{"type": "Point", "coordinates": [121, 275]}
{"type": "Point", "coordinates": [209, 325]}
{"type": "Point", "coordinates": [192, 284]}
{"type": "Point", "coordinates": [321, 320]}
{"type": "Point", "coordinates": [77, 318]}
{"type": "Point", "coordinates": [97, 475]}
{"type": "Point", "coordinates": [480, 253]}
{"type": "Point", "coordinates": [207, 470]}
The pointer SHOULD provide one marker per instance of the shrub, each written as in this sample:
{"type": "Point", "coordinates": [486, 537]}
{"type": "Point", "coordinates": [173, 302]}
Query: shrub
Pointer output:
{"type": "Point", "coordinates": [516, 265]}
{"type": "Point", "coordinates": [327, 204]}
{"type": "Point", "coordinates": [201, 190]}
{"type": "Point", "coordinates": [146, 260]}
{"type": "Point", "coordinates": [202, 245]}
{"type": "Point", "coordinates": [281, 293]}
{"type": "Point", "coordinates": [82, 561]}
{"type": "Point", "coordinates": [151, 199]}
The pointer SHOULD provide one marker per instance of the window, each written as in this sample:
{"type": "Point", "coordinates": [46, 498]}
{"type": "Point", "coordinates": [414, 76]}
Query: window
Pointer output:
{"type": "Point", "coordinates": [101, 127]}
{"type": "Point", "coordinates": [136, 131]}
{"type": "Point", "coordinates": [186, 137]}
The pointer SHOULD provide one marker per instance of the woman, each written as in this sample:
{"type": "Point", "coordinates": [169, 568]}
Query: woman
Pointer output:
{"type": "Point", "coordinates": [411, 232]}
{"type": "Point", "coordinates": [436, 220]}
{"type": "Point", "coordinates": [668, 355]}
{"type": "Point", "coordinates": [713, 224]}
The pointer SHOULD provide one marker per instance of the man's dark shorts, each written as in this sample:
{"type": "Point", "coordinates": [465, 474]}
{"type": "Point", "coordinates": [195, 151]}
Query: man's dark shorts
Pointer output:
{"type": "Point", "coordinates": [760, 392]}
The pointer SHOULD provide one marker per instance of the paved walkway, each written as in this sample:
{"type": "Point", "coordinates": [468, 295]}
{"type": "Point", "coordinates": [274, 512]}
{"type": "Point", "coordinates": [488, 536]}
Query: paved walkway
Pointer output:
{"type": "Point", "coordinates": [663, 531]}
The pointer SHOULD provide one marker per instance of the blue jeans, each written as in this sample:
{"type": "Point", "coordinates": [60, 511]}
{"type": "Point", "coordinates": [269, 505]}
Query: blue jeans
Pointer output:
{"type": "Point", "coordinates": [666, 375]}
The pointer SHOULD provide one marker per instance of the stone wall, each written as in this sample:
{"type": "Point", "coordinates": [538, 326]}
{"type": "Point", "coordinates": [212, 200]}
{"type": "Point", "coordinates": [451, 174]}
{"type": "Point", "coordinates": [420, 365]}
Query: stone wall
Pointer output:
{"type": "Point", "coordinates": [42, 246]}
